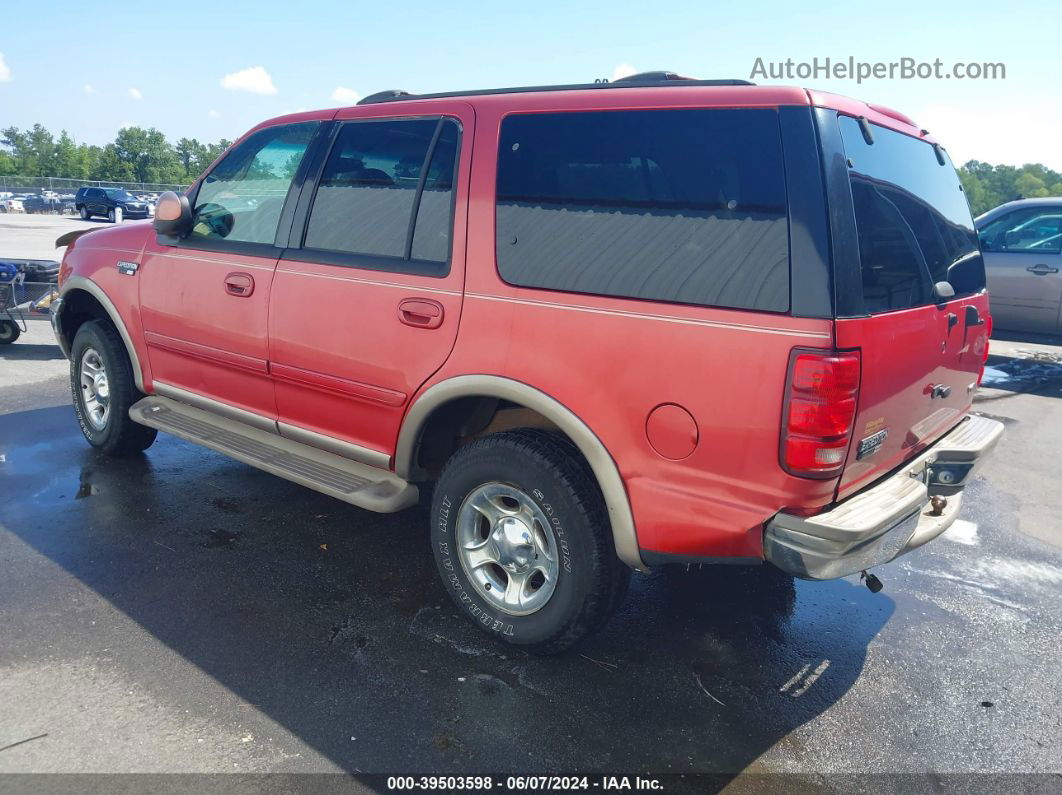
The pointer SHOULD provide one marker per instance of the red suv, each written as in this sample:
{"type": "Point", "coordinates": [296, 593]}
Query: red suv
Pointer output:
{"type": "Point", "coordinates": [607, 326]}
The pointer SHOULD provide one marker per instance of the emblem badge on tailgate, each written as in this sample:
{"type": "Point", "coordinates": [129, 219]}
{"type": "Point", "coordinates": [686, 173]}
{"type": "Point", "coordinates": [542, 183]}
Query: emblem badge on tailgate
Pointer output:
{"type": "Point", "coordinates": [871, 444]}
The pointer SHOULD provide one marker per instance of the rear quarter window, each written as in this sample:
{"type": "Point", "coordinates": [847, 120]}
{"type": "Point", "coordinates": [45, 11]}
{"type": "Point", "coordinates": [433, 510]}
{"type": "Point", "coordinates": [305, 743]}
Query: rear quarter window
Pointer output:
{"type": "Point", "coordinates": [683, 206]}
{"type": "Point", "coordinates": [912, 218]}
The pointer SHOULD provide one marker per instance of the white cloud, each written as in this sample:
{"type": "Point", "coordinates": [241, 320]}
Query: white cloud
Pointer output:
{"type": "Point", "coordinates": [253, 79]}
{"type": "Point", "coordinates": [214, 114]}
{"type": "Point", "coordinates": [5, 70]}
{"type": "Point", "coordinates": [135, 93]}
{"type": "Point", "coordinates": [347, 95]}
{"type": "Point", "coordinates": [89, 89]}
{"type": "Point", "coordinates": [623, 70]}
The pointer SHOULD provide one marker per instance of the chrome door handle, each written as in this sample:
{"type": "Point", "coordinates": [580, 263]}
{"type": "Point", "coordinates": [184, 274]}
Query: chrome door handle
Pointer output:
{"type": "Point", "coordinates": [1041, 270]}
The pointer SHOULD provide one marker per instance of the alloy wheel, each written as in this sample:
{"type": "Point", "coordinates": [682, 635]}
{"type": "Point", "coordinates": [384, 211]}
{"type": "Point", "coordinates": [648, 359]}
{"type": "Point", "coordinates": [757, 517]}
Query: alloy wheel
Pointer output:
{"type": "Point", "coordinates": [507, 548]}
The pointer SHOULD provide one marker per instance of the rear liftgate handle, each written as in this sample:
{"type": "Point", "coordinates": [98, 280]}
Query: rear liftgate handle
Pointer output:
{"type": "Point", "coordinates": [421, 313]}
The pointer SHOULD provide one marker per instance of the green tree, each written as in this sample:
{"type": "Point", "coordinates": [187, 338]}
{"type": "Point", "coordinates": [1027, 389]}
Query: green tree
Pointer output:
{"type": "Point", "coordinates": [111, 167]}
{"type": "Point", "coordinates": [42, 144]}
{"type": "Point", "coordinates": [189, 152]}
{"type": "Point", "coordinates": [25, 164]}
{"type": "Point", "coordinates": [144, 155]}
{"type": "Point", "coordinates": [212, 152]}
{"type": "Point", "coordinates": [69, 159]}
{"type": "Point", "coordinates": [148, 156]}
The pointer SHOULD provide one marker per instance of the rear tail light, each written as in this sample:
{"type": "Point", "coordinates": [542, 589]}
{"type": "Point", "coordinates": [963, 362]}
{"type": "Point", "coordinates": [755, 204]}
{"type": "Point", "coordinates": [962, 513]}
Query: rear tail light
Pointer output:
{"type": "Point", "coordinates": [820, 406]}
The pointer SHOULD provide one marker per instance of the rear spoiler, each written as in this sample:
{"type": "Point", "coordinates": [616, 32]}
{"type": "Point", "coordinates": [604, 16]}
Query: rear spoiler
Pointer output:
{"type": "Point", "coordinates": [69, 237]}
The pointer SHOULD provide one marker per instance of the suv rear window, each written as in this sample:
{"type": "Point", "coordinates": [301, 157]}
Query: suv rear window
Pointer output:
{"type": "Point", "coordinates": [913, 220]}
{"type": "Point", "coordinates": [386, 191]}
{"type": "Point", "coordinates": [684, 206]}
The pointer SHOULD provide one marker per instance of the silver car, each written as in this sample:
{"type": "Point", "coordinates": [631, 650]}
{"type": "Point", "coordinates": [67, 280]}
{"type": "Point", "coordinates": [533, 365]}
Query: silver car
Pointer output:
{"type": "Point", "coordinates": [1022, 245]}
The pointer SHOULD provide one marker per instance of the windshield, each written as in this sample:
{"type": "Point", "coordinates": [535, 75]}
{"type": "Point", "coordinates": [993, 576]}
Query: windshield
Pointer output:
{"type": "Point", "coordinates": [913, 220]}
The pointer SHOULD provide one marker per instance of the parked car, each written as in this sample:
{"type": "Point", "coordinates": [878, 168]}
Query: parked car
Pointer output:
{"type": "Point", "coordinates": [1022, 246]}
{"type": "Point", "coordinates": [14, 204]}
{"type": "Point", "coordinates": [640, 323]}
{"type": "Point", "coordinates": [90, 202]}
{"type": "Point", "coordinates": [42, 203]}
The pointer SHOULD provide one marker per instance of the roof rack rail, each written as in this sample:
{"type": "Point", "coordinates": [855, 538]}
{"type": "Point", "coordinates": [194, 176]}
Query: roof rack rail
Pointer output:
{"type": "Point", "coordinates": [640, 80]}
{"type": "Point", "coordinates": [650, 77]}
{"type": "Point", "coordinates": [383, 96]}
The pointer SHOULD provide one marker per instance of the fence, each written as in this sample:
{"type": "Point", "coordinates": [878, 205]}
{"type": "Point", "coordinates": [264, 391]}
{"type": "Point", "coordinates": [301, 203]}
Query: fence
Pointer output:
{"type": "Point", "coordinates": [37, 184]}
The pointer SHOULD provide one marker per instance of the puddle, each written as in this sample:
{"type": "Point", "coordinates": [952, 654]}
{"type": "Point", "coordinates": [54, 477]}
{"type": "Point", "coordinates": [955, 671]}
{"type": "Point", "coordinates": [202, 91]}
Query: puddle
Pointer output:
{"type": "Point", "coordinates": [1023, 374]}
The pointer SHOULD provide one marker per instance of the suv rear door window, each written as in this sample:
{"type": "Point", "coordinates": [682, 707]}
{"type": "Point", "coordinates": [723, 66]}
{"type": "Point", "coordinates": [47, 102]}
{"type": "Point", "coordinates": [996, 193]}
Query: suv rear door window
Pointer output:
{"type": "Point", "coordinates": [684, 206]}
{"type": "Point", "coordinates": [913, 220]}
{"type": "Point", "coordinates": [386, 191]}
{"type": "Point", "coordinates": [242, 198]}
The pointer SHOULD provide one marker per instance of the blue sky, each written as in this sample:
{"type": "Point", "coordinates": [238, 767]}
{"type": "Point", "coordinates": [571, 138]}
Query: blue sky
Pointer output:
{"type": "Point", "coordinates": [91, 68]}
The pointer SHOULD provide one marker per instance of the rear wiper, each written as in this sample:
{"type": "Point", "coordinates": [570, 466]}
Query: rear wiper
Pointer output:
{"type": "Point", "coordinates": [864, 127]}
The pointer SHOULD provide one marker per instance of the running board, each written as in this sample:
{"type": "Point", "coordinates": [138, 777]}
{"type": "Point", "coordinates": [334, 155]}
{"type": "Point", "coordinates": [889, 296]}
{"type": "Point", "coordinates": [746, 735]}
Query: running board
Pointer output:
{"type": "Point", "coordinates": [350, 481]}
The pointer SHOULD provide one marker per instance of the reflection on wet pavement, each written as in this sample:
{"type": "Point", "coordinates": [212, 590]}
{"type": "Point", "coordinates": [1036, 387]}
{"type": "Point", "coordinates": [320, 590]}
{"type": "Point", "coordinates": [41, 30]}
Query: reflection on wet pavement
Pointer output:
{"type": "Point", "coordinates": [332, 623]}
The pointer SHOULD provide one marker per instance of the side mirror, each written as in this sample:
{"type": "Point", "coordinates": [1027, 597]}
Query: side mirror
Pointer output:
{"type": "Point", "coordinates": [942, 291]}
{"type": "Point", "coordinates": [173, 217]}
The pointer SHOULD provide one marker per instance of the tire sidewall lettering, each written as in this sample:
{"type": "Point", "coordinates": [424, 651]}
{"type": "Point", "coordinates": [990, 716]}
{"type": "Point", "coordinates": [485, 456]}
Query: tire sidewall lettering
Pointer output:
{"type": "Point", "coordinates": [541, 467]}
{"type": "Point", "coordinates": [558, 529]}
{"type": "Point", "coordinates": [94, 435]}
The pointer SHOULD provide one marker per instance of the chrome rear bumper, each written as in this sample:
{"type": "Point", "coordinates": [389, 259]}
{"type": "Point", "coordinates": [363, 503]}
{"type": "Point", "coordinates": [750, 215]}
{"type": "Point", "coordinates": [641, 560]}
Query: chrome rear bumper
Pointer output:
{"type": "Point", "coordinates": [890, 517]}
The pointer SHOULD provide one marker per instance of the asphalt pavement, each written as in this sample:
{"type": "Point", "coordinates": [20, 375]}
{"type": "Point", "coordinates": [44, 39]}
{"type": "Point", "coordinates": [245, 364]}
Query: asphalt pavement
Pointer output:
{"type": "Point", "coordinates": [181, 612]}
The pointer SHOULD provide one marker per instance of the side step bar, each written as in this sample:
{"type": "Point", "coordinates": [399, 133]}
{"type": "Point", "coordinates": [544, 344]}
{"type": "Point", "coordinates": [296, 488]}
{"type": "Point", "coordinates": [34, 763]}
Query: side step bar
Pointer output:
{"type": "Point", "coordinates": [350, 481]}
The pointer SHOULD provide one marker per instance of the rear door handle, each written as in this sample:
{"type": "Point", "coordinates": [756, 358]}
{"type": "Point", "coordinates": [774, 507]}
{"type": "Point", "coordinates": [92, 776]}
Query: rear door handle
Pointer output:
{"type": "Point", "coordinates": [421, 313]}
{"type": "Point", "coordinates": [1041, 270]}
{"type": "Point", "coordinates": [239, 284]}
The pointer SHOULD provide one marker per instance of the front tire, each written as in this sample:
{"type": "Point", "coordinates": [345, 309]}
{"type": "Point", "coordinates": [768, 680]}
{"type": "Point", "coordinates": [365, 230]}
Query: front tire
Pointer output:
{"type": "Point", "coordinates": [101, 380]}
{"type": "Point", "coordinates": [9, 332]}
{"type": "Point", "coordinates": [522, 541]}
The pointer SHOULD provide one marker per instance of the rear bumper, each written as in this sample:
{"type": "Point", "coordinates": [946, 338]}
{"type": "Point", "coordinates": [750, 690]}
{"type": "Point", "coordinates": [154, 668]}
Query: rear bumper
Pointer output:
{"type": "Point", "coordinates": [888, 519]}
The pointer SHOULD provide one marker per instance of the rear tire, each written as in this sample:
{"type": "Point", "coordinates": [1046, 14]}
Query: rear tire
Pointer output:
{"type": "Point", "coordinates": [9, 332]}
{"type": "Point", "coordinates": [111, 216]}
{"type": "Point", "coordinates": [522, 541]}
{"type": "Point", "coordinates": [101, 380]}
{"type": "Point", "coordinates": [85, 214]}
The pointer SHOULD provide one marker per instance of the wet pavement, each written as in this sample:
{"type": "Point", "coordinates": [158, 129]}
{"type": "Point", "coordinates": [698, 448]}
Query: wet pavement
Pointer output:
{"type": "Point", "coordinates": [180, 611]}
